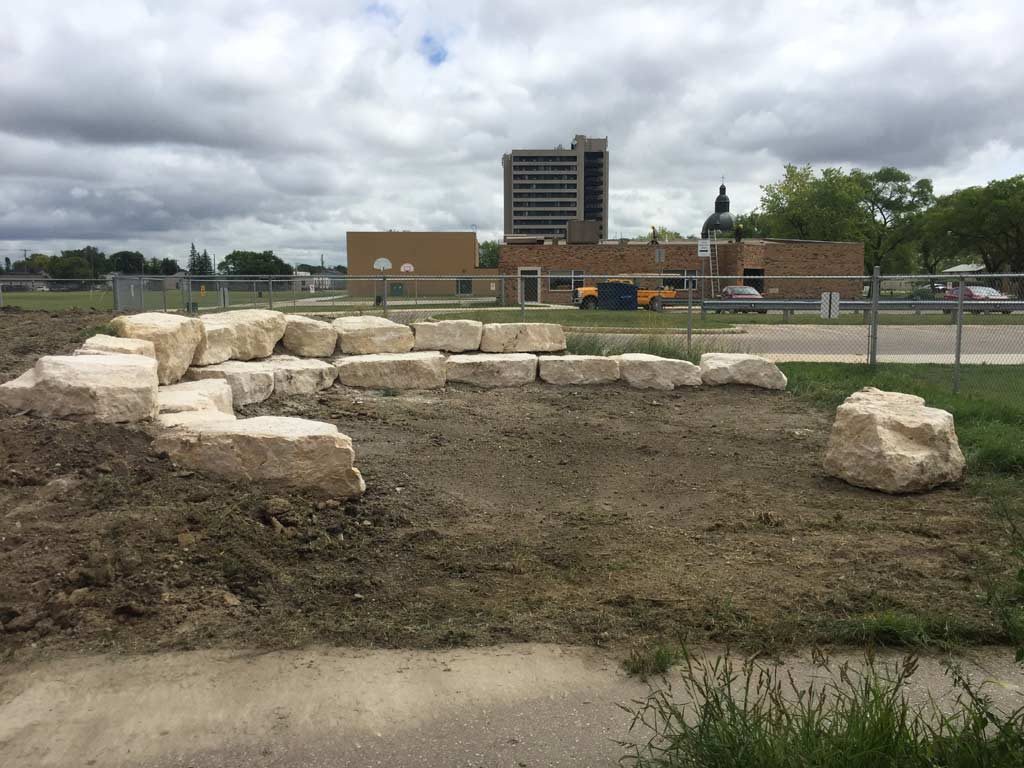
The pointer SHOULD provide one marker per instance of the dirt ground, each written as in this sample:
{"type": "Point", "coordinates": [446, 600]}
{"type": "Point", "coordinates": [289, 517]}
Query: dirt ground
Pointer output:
{"type": "Point", "coordinates": [541, 514]}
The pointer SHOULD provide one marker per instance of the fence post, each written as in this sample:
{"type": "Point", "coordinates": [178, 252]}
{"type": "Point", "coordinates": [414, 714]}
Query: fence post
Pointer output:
{"type": "Point", "coordinates": [689, 318]}
{"type": "Point", "coordinates": [876, 286]}
{"type": "Point", "coordinates": [1, 294]}
{"type": "Point", "coordinates": [522, 300]}
{"type": "Point", "coordinates": [163, 290]}
{"type": "Point", "coordinates": [501, 280]}
{"type": "Point", "coordinates": [270, 291]}
{"type": "Point", "coordinates": [959, 336]}
{"type": "Point", "coordinates": [384, 293]}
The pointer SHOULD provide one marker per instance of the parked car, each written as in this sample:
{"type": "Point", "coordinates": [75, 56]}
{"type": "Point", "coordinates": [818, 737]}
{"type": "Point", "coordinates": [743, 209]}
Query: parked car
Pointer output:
{"type": "Point", "coordinates": [742, 293]}
{"type": "Point", "coordinates": [978, 293]}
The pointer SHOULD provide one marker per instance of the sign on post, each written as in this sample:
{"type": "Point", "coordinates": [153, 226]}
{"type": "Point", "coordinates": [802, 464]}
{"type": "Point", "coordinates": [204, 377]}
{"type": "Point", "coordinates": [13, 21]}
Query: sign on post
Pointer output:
{"type": "Point", "coordinates": [704, 248]}
{"type": "Point", "coordinates": [829, 305]}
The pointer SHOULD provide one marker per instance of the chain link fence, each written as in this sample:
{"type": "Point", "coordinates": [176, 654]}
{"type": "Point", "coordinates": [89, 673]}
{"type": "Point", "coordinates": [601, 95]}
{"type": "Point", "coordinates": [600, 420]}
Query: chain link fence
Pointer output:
{"type": "Point", "coordinates": [967, 323]}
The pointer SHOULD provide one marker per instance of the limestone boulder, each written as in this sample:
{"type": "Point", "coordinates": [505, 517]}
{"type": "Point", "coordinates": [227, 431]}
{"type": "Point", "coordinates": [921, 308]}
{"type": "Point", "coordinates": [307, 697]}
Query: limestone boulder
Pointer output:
{"type": "Point", "coordinates": [101, 344]}
{"type": "Point", "coordinates": [109, 388]}
{"type": "Point", "coordinates": [645, 371]}
{"type": "Point", "coordinates": [405, 370]}
{"type": "Point", "coordinates": [522, 337]}
{"type": "Point", "coordinates": [370, 335]}
{"type": "Point", "coordinates": [175, 339]}
{"type": "Point", "coordinates": [501, 370]}
{"type": "Point", "coordinates": [449, 335]}
{"type": "Point", "coordinates": [194, 419]}
{"type": "Point", "coordinates": [242, 334]}
{"type": "Point", "coordinates": [250, 382]}
{"type": "Point", "coordinates": [578, 369]}
{"type": "Point", "coordinates": [893, 442]}
{"type": "Point", "coordinates": [202, 395]}
{"type": "Point", "coordinates": [307, 337]}
{"type": "Point", "coordinates": [286, 451]}
{"type": "Point", "coordinates": [299, 376]}
{"type": "Point", "coordinates": [734, 368]}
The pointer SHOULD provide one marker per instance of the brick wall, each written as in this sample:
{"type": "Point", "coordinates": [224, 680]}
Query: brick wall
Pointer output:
{"type": "Point", "coordinates": [775, 257]}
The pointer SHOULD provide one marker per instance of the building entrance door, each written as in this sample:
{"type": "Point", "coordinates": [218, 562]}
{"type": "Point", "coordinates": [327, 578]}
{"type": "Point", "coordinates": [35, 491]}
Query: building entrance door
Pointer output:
{"type": "Point", "coordinates": [754, 278]}
{"type": "Point", "coordinates": [530, 279]}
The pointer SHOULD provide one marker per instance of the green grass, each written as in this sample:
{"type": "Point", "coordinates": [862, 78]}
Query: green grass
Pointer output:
{"type": "Point", "coordinates": [989, 411]}
{"type": "Point", "coordinates": [594, 318]}
{"type": "Point", "coordinates": [651, 659]}
{"type": "Point", "coordinates": [891, 628]}
{"type": "Point", "coordinates": [663, 346]}
{"type": "Point", "coordinates": [725, 715]}
{"type": "Point", "coordinates": [54, 301]}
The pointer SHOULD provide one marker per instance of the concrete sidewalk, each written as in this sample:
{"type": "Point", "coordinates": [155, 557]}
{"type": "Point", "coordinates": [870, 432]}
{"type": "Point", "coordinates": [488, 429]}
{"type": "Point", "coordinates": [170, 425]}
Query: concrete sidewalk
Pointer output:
{"type": "Point", "coordinates": [521, 705]}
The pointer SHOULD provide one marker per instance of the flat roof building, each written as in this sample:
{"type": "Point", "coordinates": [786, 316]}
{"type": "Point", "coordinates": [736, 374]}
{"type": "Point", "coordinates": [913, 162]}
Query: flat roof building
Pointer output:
{"type": "Point", "coordinates": [545, 189]}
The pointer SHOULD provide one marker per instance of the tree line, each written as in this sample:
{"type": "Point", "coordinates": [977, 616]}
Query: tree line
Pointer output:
{"type": "Point", "coordinates": [904, 226]}
{"type": "Point", "coordinates": [92, 263]}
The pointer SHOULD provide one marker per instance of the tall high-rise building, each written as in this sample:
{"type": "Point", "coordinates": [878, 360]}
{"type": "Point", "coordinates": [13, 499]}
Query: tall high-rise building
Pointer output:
{"type": "Point", "coordinates": [545, 189]}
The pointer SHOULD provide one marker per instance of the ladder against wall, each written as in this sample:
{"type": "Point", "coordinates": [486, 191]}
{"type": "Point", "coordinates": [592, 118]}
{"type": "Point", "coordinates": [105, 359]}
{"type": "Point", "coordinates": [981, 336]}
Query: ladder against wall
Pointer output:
{"type": "Point", "coordinates": [713, 271]}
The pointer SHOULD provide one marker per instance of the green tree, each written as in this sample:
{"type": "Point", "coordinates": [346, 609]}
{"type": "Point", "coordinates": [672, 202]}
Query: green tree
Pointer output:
{"type": "Point", "coordinates": [36, 264]}
{"type": "Point", "coordinates": [98, 262]}
{"type": "Point", "coordinates": [69, 266]}
{"type": "Point", "coordinates": [895, 205]}
{"type": "Point", "coordinates": [127, 262]}
{"type": "Point", "coordinates": [206, 263]}
{"type": "Point", "coordinates": [664, 234]}
{"type": "Point", "coordinates": [489, 253]}
{"type": "Point", "coordinates": [7, 263]}
{"type": "Point", "coordinates": [253, 263]}
{"type": "Point", "coordinates": [985, 223]}
{"type": "Point", "coordinates": [198, 263]}
{"type": "Point", "coordinates": [806, 206]}
{"type": "Point", "coordinates": [169, 267]}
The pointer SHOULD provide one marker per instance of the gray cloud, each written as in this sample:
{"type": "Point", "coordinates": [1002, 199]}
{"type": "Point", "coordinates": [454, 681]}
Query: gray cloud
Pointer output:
{"type": "Point", "coordinates": [282, 125]}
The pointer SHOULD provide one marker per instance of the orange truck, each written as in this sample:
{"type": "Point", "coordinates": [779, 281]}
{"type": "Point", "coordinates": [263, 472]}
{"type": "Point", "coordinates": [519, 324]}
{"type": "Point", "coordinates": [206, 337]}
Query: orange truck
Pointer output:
{"type": "Point", "coordinates": [646, 298]}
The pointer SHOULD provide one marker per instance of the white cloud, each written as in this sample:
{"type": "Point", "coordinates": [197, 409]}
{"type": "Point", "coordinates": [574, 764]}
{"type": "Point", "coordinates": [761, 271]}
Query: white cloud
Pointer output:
{"type": "Point", "coordinates": [150, 125]}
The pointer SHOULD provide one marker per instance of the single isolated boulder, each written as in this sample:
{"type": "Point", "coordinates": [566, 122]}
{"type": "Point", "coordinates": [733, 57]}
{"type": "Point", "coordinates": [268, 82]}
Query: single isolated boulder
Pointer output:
{"type": "Point", "coordinates": [286, 451]}
{"type": "Point", "coordinates": [578, 369]}
{"type": "Point", "coordinates": [175, 339]}
{"type": "Point", "coordinates": [449, 335]}
{"type": "Point", "coordinates": [101, 344]}
{"type": "Point", "coordinates": [370, 335]}
{"type": "Point", "coordinates": [893, 442]}
{"type": "Point", "coordinates": [645, 371]}
{"type": "Point", "coordinates": [202, 395]}
{"type": "Point", "coordinates": [250, 382]}
{"type": "Point", "coordinates": [109, 388]}
{"type": "Point", "coordinates": [733, 368]}
{"type": "Point", "coordinates": [306, 337]}
{"type": "Point", "coordinates": [405, 370]}
{"type": "Point", "coordinates": [299, 376]}
{"type": "Point", "coordinates": [510, 370]}
{"type": "Point", "coordinates": [522, 337]}
{"type": "Point", "coordinates": [241, 334]}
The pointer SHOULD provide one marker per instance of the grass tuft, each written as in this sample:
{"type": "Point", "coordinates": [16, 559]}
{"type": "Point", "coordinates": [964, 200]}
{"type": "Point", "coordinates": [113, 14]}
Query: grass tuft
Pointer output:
{"type": "Point", "coordinates": [649, 660]}
{"type": "Point", "coordinates": [663, 346]}
{"type": "Point", "coordinates": [734, 716]}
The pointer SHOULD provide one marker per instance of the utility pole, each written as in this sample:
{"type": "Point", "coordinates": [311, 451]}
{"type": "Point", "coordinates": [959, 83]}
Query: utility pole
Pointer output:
{"type": "Point", "coordinates": [321, 262]}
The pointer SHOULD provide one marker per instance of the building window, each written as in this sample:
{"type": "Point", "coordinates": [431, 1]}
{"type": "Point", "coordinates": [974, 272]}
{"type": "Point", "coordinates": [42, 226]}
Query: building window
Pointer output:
{"type": "Point", "coordinates": [565, 280]}
{"type": "Point", "coordinates": [687, 279]}
{"type": "Point", "coordinates": [463, 286]}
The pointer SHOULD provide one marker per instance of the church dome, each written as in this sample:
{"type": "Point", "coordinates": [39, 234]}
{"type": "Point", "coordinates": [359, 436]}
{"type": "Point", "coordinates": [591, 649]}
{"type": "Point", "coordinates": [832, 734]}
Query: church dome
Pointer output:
{"type": "Point", "coordinates": [721, 220]}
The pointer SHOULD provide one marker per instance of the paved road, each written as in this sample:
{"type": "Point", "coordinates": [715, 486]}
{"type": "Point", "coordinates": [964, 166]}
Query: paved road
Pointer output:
{"type": "Point", "coordinates": [525, 705]}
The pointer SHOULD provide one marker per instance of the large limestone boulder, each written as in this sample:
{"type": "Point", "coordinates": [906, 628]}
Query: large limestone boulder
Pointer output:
{"type": "Point", "coordinates": [733, 368]}
{"type": "Point", "coordinates": [194, 419]}
{"type": "Point", "coordinates": [202, 395]}
{"type": "Point", "coordinates": [405, 370]}
{"type": "Point", "coordinates": [109, 388]}
{"type": "Point", "coordinates": [287, 451]}
{"type": "Point", "coordinates": [175, 339]}
{"type": "Point", "coordinates": [101, 344]}
{"type": "Point", "coordinates": [578, 369]}
{"type": "Point", "coordinates": [307, 337]}
{"type": "Point", "coordinates": [645, 371]}
{"type": "Point", "coordinates": [893, 442]}
{"type": "Point", "coordinates": [241, 334]}
{"type": "Point", "coordinates": [299, 376]}
{"type": "Point", "coordinates": [250, 382]}
{"type": "Point", "coordinates": [508, 370]}
{"type": "Point", "coordinates": [522, 337]}
{"type": "Point", "coordinates": [449, 335]}
{"type": "Point", "coordinates": [370, 335]}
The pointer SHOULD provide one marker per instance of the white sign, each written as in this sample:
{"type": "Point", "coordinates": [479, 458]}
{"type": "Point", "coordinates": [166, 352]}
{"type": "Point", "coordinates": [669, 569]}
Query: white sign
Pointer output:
{"type": "Point", "coordinates": [704, 249]}
{"type": "Point", "coordinates": [829, 305]}
{"type": "Point", "coordinates": [382, 264]}
{"type": "Point", "coordinates": [407, 267]}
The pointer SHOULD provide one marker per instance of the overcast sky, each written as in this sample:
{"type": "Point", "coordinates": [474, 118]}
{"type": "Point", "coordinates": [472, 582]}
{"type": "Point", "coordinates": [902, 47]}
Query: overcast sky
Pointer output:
{"type": "Point", "coordinates": [282, 125]}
